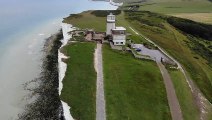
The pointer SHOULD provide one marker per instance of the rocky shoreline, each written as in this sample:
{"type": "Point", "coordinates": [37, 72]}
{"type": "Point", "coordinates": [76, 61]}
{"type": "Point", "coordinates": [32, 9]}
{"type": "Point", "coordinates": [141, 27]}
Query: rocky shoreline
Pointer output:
{"type": "Point", "coordinates": [47, 104]}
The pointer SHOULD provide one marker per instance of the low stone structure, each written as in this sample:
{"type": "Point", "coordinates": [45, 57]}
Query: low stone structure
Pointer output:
{"type": "Point", "coordinates": [95, 36]}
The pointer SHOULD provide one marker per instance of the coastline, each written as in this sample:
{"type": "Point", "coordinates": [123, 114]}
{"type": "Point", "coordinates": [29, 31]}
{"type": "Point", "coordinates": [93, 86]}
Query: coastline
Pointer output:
{"type": "Point", "coordinates": [115, 4]}
{"type": "Point", "coordinates": [44, 102]}
{"type": "Point", "coordinates": [43, 90]}
{"type": "Point", "coordinates": [21, 61]}
{"type": "Point", "coordinates": [63, 66]}
{"type": "Point", "coordinates": [22, 41]}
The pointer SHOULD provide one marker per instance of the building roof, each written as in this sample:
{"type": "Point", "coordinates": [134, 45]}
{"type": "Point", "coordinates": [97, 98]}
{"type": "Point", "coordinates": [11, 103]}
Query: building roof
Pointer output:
{"type": "Point", "coordinates": [119, 28]}
{"type": "Point", "coordinates": [111, 14]}
{"type": "Point", "coordinates": [98, 36]}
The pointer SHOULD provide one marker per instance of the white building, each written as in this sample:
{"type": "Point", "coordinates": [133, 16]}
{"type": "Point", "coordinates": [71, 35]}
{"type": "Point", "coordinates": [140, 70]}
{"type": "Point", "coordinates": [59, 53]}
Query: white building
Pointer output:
{"type": "Point", "coordinates": [111, 23]}
{"type": "Point", "coordinates": [118, 34]}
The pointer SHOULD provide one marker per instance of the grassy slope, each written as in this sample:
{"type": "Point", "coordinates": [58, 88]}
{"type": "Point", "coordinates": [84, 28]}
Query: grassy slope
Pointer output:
{"type": "Point", "coordinates": [132, 90]}
{"type": "Point", "coordinates": [197, 10]}
{"type": "Point", "coordinates": [186, 100]}
{"type": "Point", "coordinates": [185, 97]}
{"type": "Point", "coordinates": [80, 81]}
{"type": "Point", "coordinates": [86, 20]}
{"type": "Point", "coordinates": [174, 43]}
{"type": "Point", "coordinates": [171, 40]}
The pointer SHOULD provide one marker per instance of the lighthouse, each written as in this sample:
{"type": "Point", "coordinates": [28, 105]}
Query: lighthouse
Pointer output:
{"type": "Point", "coordinates": [111, 23]}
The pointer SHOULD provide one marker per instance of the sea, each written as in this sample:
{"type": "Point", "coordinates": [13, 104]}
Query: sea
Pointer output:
{"type": "Point", "coordinates": [24, 27]}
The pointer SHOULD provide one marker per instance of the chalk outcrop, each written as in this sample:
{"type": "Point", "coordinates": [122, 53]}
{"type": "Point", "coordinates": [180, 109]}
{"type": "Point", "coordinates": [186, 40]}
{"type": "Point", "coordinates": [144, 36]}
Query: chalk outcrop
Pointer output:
{"type": "Point", "coordinates": [63, 66]}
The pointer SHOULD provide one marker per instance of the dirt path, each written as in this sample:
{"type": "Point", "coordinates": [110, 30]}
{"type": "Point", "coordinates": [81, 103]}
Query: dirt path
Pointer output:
{"type": "Point", "coordinates": [171, 95]}
{"type": "Point", "coordinates": [100, 98]}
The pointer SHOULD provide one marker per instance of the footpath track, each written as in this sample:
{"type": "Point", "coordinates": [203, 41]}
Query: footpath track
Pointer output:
{"type": "Point", "coordinates": [171, 95]}
{"type": "Point", "coordinates": [100, 98]}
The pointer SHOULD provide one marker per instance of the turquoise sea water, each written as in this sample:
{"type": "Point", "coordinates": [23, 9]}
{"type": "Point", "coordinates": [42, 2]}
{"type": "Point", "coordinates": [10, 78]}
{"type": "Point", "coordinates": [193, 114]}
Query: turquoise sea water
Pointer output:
{"type": "Point", "coordinates": [24, 25]}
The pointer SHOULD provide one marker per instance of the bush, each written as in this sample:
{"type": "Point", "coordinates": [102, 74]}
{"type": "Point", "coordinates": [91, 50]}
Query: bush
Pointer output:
{"type": "Point", "coordinates": [104, 13]}
{"type": "Point", "coordinates": [193, 28]}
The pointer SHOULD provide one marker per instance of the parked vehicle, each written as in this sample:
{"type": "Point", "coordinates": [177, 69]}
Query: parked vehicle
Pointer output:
{"type": "Point", "coordinates": [138, 49]}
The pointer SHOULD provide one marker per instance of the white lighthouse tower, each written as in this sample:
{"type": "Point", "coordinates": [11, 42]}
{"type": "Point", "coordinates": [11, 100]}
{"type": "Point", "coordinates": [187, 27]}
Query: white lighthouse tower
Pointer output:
{"type": "Point", "coordinates": [111, 23]}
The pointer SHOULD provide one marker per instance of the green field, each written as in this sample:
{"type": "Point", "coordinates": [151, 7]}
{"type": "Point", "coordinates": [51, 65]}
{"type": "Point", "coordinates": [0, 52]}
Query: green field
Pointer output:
{"type": "Point", "coordinates": [175, 43]}
{"type": "Point", "coordinates": [132, 90]}
{"type": "Point", "coordinates": [137, 98]}
{"type": "Point", "coordinates": [186, 99]}
{"type": "Point", "coordinates": [178, 7]}
{"type": "Point", "coordinates": [198, 17]}
{"type": "Point", "coordinates": [197, 10]}
{"type": "Point", "coordinates": [86, 20]}
{"type": "Point", "coordinates": [172, 6]}
{"type": "Point", "coordinates": [79, 84]}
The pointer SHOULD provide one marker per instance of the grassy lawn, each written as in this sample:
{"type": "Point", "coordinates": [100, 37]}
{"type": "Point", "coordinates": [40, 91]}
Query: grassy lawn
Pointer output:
{"type": "Point", "coordinates": [189, 108]}
{"type": "Point", "coordinates": [79, 84]}
{"type": "Point", "coordinates": [174, 42]}
{"type": "Point", "coordinates": [87, 20]}
{"type": "Point", "coordinates": [132, 90]}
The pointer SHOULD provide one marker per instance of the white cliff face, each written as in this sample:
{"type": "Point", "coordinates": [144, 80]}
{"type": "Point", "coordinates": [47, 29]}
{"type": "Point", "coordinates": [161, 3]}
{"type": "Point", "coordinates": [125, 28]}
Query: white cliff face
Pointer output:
{"type": "Point", "coordinates": [63, 66]}
{"type": "Point", "coordinates": [115, 4]}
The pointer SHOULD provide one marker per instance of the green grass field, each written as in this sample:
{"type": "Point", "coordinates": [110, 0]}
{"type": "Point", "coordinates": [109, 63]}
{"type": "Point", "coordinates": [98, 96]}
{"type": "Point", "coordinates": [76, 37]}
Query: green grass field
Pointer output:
{"type": "Point", "coordinates": [174, 42]}
{"type": "Point", "coordinates": [197, 10]}
{"type": "Point", "coordinates": [170, 39]}
{"type": "Point", "coordinates": [86, 20]}
{"type": "Point", "coordinates": [172, 6]}
{"type": "Point", "coordinates": [132, 90]}
{"type": "Point", "coordinates": [186, 99]}
{"type": "Point", "coordinates": [79, 84]}
{"type": "Point", "coordinates": [143, 97]}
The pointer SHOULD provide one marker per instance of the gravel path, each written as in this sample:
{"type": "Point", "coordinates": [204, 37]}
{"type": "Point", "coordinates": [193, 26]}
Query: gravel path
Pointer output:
{"type": "Point", "coordinates": [171, 95]}
{"type": "Point", "coordinates": [100, 98]}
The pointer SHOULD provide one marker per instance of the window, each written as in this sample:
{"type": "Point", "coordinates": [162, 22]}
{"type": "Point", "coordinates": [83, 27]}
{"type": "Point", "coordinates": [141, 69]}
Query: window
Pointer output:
{"type": "Point", "coordinates": [117, 42]}
{"type": "Point", "coordinates": [122, 43]}
{"type": "Point", "coordinates": [122, 32]}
